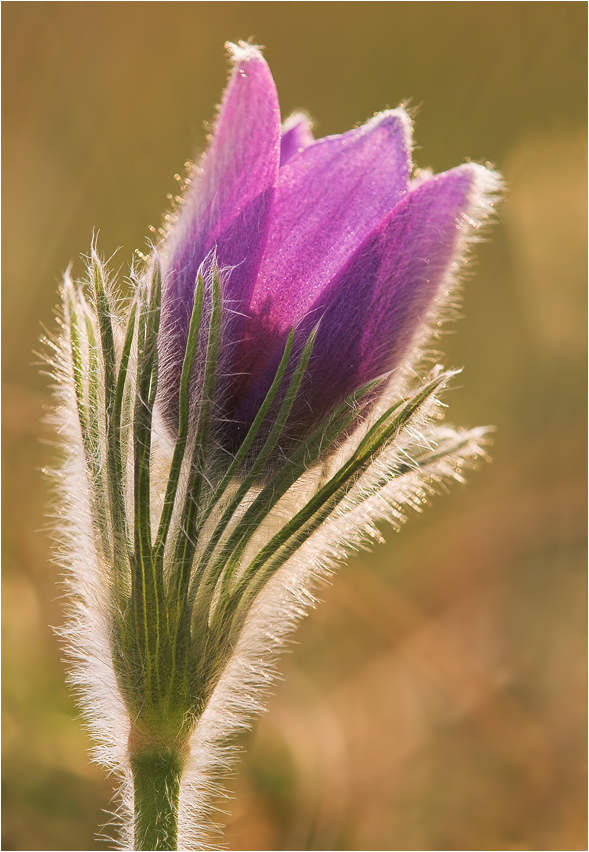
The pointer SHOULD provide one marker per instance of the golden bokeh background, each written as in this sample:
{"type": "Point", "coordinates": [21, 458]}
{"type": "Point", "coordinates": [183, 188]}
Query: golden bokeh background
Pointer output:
{"type": "Point", "coordinates": [436, 700]}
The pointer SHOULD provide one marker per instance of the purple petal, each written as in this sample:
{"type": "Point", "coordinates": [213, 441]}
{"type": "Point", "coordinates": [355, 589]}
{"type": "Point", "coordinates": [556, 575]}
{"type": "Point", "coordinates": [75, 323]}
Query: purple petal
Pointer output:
{"type": "Point", "coordinates": [373, 311]}
{"type": "Point", "coordinates": [296, 136]}
{"type": "Point", "coordinates": [241, 164]}
{"type": "Point", "coordinates": [225, 211]}
{"type": "Point", "coordinates": [328, 199]}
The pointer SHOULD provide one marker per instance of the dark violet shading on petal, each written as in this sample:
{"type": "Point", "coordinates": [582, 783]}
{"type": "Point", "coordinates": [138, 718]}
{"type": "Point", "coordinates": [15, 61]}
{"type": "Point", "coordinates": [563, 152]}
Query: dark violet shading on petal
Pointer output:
{"type": "Point", "coordinates": [372, 311]}
{"type": "Point", "coordinates": [296, 136]}
{"type": "Point", "coordinates": [223, 215]}
{"type": "Point", "coordinates": [329, 198]}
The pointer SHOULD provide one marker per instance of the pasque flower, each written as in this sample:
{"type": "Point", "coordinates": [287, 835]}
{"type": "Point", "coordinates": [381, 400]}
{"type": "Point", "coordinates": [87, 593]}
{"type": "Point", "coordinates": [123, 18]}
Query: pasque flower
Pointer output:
{"type": "Point", "coordinates": [336, 231]}
{"type": "Point", "coordinates": [241, 425]}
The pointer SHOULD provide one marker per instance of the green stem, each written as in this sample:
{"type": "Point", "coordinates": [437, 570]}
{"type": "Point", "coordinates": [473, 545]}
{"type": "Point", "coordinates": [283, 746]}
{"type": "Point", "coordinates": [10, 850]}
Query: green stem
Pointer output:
{"type": "Point", "coordinates": [156, 784]}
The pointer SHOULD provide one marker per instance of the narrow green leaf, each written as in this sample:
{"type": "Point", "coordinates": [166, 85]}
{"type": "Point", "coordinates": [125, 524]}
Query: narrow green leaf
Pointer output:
{"type": "Point", "coordinates": [187, 539]}
{"type": "Point", "coordinates": [144, 398]}
{"type": "Point", "coordinates": [122, 376]}
{"type": "Point", "coordinates": [323, 437]}
{"type": "Point", "coordinates": [77, 367]}
{"type": "Point", "coordinates": [147, 585]}
{"type": "Point", "coordinates": [88, 418]}
{"type": "Point", "coordinates": [95, 411]}
{"type": "Point", "coordinates": [333, 492]}
{"type": "Point", "coordinates": [183, 420]}
{"type": "Point", "coordinates": [97, 472]}
{"type": "Point", "coordinates": [258, 465]}
{"type": "Point", "coordinates": [250, 477]}
{"type": "Point", "coordinates": [113, 461]}
{"type": "Point", "coordinates": [430, 458]}
{"type": "Point", "coordinates": [243, 450]}
{"type": "Point", "coordinates": [242, 606]}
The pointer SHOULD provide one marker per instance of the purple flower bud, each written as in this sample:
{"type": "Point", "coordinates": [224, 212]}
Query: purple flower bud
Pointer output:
{"type": "Point", "coordinates": [332, 230]}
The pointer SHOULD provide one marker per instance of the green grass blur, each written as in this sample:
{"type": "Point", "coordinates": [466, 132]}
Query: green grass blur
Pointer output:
{"type": "Point", "coordinates": [436, 700]}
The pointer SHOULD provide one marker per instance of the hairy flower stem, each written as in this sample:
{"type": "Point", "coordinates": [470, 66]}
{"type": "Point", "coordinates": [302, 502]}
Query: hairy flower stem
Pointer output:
{"type": "Point", "coordinates": [156, 784]}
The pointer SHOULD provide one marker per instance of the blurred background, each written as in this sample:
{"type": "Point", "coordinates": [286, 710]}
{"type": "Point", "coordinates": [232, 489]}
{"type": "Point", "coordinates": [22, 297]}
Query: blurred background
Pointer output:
{"type": "Point", "coordinates": [436, 699]}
